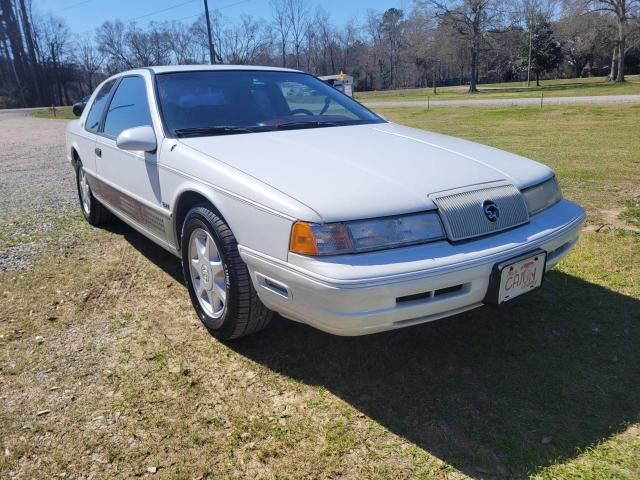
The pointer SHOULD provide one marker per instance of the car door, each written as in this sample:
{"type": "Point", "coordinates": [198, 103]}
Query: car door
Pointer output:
{"type": "Point", "coordinates": [131, 179]}
{"type": "Point", "coordinates": [91, 124]}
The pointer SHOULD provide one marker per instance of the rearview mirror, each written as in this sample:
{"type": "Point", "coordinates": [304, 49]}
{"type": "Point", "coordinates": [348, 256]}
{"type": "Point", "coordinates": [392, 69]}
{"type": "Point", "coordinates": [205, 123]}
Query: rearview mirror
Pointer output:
{"type": "Point", "coordinates": [138, 139]}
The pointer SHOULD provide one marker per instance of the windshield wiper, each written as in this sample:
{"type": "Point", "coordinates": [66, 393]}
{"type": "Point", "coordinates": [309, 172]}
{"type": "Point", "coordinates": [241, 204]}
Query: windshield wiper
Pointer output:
{"type": "Point", "coordinates": [217, 130]}
{"type": "Point", "coordinates": [313, 124]}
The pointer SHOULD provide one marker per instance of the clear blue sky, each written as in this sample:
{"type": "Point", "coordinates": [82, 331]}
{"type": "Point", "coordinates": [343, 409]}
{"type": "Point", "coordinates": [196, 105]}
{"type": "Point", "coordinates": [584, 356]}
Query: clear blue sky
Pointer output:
{"type": "Point", "coordinates": [85, 15]}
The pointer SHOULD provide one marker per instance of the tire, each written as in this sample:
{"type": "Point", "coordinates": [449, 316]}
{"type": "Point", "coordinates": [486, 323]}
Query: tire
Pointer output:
{"type": "Point", "coordinates": [218, 280]}
{"type": "Point", "coordinates": [94, 212]}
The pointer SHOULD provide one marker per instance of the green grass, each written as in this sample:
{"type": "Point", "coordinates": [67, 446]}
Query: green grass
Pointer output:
{"type": "Point", "coordinates": [140, 384]}
{"type": "Point", "coordinates": [632, 212]}
{"type": "Point", "coordinates": [552, 88]}
{"type": "Point", "coordinates": [62, 113]}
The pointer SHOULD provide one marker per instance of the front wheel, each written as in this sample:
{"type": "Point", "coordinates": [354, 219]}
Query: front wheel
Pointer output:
{"type": "Point", "coordinates": [217, 279]}
{"type": "Point", "coordinates": [94, 212]}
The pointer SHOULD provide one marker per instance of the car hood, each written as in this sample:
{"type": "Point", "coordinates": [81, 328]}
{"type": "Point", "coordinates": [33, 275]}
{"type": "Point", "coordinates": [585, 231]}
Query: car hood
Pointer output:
{"type": "Point", "coordinates": [364, 171]}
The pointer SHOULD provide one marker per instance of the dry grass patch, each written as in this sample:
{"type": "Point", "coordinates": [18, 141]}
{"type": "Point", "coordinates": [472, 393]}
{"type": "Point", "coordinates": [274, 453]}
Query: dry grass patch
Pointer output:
{"type": "Point", "coordinates": [107, 371]}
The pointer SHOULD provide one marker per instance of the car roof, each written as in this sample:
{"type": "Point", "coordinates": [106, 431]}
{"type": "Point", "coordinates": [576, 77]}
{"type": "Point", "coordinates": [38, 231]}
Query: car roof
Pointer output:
{"type": "Point", "coordinates": [193, 68]}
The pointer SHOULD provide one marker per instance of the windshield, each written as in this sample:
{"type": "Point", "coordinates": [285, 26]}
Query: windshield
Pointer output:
{"type": "Point", "coordinates": [229, 102]}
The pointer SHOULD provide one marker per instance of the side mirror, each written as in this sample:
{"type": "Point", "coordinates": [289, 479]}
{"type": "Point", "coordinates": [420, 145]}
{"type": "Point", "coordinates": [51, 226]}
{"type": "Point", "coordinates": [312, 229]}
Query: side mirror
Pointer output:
{"type": "Point", "coordinates": [139, 139]}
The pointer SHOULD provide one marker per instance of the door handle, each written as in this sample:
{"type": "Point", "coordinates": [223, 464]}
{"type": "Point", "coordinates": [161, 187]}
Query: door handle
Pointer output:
{"type": "Point", "coordinates": [98, 152]}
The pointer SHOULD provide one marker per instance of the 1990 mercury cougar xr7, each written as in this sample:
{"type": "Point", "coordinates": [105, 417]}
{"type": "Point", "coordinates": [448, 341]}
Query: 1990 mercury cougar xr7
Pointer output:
{"type": "Point", "coordinates": [281, 194]}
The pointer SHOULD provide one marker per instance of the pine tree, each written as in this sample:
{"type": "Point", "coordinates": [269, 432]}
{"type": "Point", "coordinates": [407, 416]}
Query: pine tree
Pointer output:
{"type": "Point", "coordinates": [546, 53]}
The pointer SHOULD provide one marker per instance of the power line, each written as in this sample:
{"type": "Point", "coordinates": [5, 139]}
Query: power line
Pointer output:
{"type": "Point", "coordinates": [64, 9]}
{"type": "Point", "coordinates": [219, 8]}
{"type": "Point", "coordinates": [164, 10]}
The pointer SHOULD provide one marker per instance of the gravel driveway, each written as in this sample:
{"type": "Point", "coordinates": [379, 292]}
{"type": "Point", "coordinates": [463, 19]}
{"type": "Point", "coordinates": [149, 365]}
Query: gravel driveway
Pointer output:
{"type": "Point", "coordinates": [506, 102]}
{"type": "Point", "coordinates": [37, 185]}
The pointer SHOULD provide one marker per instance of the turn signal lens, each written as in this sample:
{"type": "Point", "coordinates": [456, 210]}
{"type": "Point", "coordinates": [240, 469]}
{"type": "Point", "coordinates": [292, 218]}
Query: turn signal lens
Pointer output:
{"type": "Point", "coordinates": [302, 239]}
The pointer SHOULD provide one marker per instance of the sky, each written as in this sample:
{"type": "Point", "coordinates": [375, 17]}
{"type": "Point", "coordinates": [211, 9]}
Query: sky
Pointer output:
{"type": "Point", "coordinates": [82, 16]}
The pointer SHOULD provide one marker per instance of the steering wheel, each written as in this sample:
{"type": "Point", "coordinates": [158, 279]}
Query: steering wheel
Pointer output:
{"type": "Point", "coordinates": [301, 110]}
{"type": "Point", "coordinates": [327, 102]}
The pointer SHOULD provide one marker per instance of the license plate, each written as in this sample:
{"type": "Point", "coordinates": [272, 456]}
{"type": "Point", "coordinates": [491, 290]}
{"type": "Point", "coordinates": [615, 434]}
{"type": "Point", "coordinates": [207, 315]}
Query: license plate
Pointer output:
{"type": "Point", "coordinates": [521, 276]}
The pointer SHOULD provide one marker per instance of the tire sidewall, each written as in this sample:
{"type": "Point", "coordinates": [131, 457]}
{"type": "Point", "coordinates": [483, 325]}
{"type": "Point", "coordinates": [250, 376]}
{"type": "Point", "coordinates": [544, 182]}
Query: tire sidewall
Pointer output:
{"type": "Point", "coordinates": [223, 326]}
{"type": "Point", "coordinates": [90, 217]}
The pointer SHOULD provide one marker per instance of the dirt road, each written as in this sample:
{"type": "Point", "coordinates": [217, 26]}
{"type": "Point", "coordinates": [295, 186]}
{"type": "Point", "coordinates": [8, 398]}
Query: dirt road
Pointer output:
{"type": "Point", "coordinates": [504, 102]}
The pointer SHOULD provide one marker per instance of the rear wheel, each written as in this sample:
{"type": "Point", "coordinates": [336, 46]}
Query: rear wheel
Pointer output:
{"type": "Point", "coordinates": [218, 280]}
{"type": "Point", "coordinates": [92, 209]}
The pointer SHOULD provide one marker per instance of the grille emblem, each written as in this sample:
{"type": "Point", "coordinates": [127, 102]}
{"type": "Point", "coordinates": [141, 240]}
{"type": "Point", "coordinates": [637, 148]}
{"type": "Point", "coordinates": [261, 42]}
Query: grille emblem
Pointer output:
{"type": "Point", "coordinates": [491, 210]}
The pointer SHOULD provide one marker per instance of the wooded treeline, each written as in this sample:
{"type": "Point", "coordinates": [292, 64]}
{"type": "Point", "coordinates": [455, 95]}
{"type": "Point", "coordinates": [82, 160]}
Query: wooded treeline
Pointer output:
{"type": "Point", "coordinates": [436, 42]}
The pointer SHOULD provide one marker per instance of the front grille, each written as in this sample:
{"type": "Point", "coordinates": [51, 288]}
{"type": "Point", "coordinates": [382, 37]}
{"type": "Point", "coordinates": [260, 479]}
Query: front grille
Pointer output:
{"type": "Point", "coordinates": [463, 214]}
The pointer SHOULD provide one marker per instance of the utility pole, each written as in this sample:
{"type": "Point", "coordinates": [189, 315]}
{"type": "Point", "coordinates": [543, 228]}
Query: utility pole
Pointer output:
{"type": "Point", "coordinates": [212, 52]}
{"type": "Point", "coordinates": [530, 45]}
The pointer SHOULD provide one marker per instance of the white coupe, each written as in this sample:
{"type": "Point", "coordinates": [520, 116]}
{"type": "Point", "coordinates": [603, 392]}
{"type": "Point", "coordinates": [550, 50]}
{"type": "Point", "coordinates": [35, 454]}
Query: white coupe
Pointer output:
{"type": "Point", "coordinates": [281, 194]}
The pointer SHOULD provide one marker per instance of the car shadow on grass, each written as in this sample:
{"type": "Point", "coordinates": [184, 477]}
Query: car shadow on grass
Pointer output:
{"type": "Point", "coordinates": [494, 392]}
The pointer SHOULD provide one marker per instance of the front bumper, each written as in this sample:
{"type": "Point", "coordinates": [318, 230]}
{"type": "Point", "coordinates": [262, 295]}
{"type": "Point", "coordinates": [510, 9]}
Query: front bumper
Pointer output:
{"type": "Point", "coordinates": [377, 291]}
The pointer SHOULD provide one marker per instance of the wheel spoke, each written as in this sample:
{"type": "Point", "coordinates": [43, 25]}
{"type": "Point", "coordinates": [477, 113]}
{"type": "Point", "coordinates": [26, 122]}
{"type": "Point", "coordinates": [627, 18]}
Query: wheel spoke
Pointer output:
{"type": "Point", "coordinates": [220, 291]}
{"type": "Point", "coordinates": [214, 301]}
{"type": "Point", "coordinates": [211, 251]}
{"type": "Point", "coordinates": [199, 287]}
{"type": "Point", "coordinates": [216, 268]}
{"type": "Point", "coordinates": [195, 264]}
{"type": "Point", "coordinates": [201, 246]}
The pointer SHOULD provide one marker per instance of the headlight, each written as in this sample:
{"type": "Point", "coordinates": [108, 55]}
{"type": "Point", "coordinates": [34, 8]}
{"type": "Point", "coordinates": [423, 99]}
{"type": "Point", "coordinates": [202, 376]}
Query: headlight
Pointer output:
{"type": "Point", "coordinates": [365, 235]}
{"type": "Point", "coordinates": [542, 196]}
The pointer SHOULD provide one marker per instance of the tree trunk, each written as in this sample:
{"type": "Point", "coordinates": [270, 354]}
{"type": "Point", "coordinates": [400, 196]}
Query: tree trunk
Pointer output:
{"type": "Point", "coordinates": [614, 56]}
{"type": "Point", "coordinates": [284, 52]}
{"type": "Point", "coordinates": [435, 81]}
{"type": "Point", "coordinates": [475, 54]}
{"type": "Point", "coordinates": [621, 47]}
{"type": "Point", "coordinates": [537, 79]}
{"type": "Point", "coordinates": [33, 59]}
{"type": "Point", "coordinates": [12, 66]}
{"type": "Point", "coordinates": [14, 37]}
{"type": "Point", "coordinates": [473, 88]}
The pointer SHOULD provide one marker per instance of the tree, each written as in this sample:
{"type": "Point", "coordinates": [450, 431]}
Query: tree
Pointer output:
{"type": "Point", "coordinates": [471, 19]}
{"type": "Point", "coordinates": [245, 42]}
{"type": "Point", "coordinates": [392, 29]}
{"type": "Point", "coordinates": [111, 38]}
{"type": "Point", "coordinates": [282, 25]}
{"type": "Point", "coordinates": [298, 18]}
{"type": "Point", "coordinates": [56, 41]}
{"type": "Point", "coordinates": [90, 61]}
{"type": "Point", "coordinates": [622, 10]}
{"type": "Point", "coordinates": [584, 37]}
{"type": "Point", "coordinates": [546, 53]}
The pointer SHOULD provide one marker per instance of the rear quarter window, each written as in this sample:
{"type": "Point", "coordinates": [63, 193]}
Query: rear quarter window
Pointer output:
{"type": "Point", "coordinates": [97, 107]}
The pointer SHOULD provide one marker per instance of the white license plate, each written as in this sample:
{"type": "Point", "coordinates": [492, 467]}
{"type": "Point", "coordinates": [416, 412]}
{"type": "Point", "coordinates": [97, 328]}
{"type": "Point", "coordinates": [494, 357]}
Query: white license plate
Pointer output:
{"type": "Point", "coordinates": [521, 277]}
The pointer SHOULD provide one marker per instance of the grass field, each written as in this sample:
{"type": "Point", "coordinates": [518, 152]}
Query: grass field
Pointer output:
{"type": "Point", "coordinates": [107, 372]}
{"type": "Point", "coordinates": [62, 113]}
{"type": "Point", "coordinates": [552, 88]}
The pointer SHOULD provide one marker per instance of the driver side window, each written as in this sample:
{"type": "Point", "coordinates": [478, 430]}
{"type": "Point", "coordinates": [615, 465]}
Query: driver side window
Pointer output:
{"type": "Point", "coordinates": [128, 107]}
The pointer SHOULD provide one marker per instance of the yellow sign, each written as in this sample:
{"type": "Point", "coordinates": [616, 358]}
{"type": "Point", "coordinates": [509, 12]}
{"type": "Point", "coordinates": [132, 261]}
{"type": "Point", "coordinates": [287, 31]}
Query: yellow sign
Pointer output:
{"type": "Point", "coordinates": [341, 76]}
